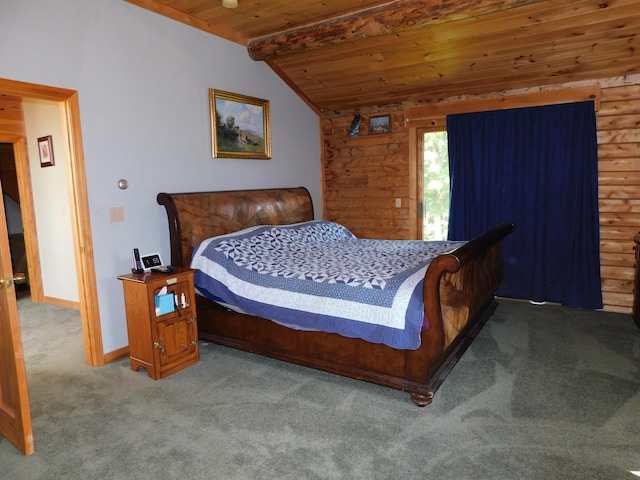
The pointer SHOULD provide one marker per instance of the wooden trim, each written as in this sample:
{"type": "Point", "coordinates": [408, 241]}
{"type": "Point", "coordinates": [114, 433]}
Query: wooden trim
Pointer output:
{"type": "Point", "coordinates": [116, 354]}
{"type": "Point", "coordinates": [415, 166]}
{"type": "Point", "coordinates": [27, 211]}
{"type": "Point", "coordinates": [323, 166]}
{"type": "Point", "coordinates": [293, 86]}
{"type": "Point", "coordinates": [89, 311]}
{"type": "Point", "coordinates": [82, 238]}
{"type": "Point", "coordinates": [61, 302]}
{"type": "Point", "coordinates": [422, 115]}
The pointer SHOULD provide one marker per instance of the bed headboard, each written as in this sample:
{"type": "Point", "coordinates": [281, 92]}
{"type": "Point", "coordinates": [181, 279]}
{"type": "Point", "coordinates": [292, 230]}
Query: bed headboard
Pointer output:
{"type": "Point", "coordinates": [196, 216]}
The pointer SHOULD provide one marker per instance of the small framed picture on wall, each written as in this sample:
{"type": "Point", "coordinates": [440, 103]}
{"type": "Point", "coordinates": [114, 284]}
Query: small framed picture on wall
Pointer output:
{"type": "Point", "coordinates": [45, 147]}
{"type": "Point", "coordinates": [379, 125]}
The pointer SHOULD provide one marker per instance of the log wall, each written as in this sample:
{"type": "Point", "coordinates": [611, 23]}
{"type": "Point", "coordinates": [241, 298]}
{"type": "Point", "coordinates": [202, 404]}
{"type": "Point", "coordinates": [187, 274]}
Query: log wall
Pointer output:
{"type": "Point", "coordinates": [364, 176]}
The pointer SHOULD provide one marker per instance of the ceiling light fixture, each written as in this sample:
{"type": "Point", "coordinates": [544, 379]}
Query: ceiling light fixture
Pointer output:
{"type": "Point", "coordinates": [230, 3]}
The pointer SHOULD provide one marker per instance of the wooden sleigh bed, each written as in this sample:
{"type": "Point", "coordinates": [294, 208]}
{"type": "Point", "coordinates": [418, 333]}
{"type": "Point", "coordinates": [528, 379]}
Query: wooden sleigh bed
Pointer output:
{"type": "Point", "coordinates": [459, 295]}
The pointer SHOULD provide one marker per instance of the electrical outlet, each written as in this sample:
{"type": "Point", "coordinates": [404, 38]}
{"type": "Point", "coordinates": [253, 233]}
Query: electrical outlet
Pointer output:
{"type": "Point", "coordinates": [116, 214]}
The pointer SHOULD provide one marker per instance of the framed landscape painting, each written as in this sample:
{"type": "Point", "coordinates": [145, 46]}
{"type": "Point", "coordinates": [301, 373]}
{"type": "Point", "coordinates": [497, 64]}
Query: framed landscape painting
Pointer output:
{"type": "Point", "coordinates": [240, 126]}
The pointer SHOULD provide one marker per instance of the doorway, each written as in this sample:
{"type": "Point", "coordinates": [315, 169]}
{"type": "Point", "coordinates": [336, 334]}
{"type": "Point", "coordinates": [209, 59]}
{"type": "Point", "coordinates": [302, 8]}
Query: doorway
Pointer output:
{"type": "Point", "coordinates": [15, 225]}
{"type": "Point", "coordinates": [13, 133]}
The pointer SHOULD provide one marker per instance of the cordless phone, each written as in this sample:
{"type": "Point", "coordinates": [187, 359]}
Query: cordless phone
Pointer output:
{"type": "Point", "coordinates": [137, 263]}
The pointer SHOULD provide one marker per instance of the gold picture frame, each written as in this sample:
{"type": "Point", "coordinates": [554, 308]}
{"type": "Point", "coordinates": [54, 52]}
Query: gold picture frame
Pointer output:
{"type": "Point", "coordinates": [240, 126]}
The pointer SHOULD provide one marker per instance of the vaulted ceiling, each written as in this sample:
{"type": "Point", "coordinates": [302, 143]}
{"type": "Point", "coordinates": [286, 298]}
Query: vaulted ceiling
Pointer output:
{"type": "Point", "coordinates": [347, 54]}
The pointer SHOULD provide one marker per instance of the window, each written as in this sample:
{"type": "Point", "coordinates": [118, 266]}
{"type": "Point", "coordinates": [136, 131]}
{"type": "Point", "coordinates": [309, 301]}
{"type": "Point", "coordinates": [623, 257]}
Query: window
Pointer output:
{"type": "Point", "coordinates": [435, 168]}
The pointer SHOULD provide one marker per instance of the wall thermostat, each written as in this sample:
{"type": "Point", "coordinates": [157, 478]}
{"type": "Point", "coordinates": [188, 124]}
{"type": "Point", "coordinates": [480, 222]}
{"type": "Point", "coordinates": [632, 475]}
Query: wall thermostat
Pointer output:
{"type": "Point", "coordinates": [150, 261]}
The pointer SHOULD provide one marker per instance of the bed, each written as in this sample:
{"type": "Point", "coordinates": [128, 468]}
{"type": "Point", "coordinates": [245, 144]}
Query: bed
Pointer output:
{"type": "Point", "coordinates": [458, 293]}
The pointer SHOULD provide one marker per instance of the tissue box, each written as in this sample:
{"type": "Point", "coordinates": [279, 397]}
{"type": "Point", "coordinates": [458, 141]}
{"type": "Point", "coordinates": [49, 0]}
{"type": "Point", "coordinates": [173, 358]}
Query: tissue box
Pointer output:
{"type": "Point", "coordinates": [165, 304]}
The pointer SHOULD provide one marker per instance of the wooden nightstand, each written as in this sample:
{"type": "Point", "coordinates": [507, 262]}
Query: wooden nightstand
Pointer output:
{"type": "Point", "coordinates": [161, 343]}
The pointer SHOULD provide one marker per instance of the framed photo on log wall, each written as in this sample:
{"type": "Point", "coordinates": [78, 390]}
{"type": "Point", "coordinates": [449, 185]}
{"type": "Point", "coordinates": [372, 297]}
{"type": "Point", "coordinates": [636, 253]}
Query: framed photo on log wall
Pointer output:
{"type": "Point", "coordinates": [240, 126]}
{"type": "Point", "coordinates": [379, 125]}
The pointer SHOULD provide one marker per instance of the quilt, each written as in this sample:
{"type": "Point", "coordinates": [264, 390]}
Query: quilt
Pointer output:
{"type": "Point", "coordinates": [318, 276]}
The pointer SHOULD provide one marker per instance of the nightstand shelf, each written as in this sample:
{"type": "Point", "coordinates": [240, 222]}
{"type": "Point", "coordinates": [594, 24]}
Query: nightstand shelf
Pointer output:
{"type": "Point", "coordinates": [162, 344]}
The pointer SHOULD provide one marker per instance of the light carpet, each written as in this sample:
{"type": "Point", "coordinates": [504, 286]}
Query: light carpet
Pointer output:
{"type": "Point", "coordinates": [544, 392]}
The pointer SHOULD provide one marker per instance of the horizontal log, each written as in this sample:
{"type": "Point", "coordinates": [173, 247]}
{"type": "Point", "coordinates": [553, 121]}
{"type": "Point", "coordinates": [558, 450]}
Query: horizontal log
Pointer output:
{"type": "Point", "coordinates": [626, 219]}
{"type": "Point", "coordinates": [372, 171]}
{"type": "Point", "coordinates": [348, 204]}
{"type": "Point", "coordinates": [619, 205]}
{"type": "Point", "coordinates": [616, 299]}
{"type": "Point", "coordinates": [340, 163]}
{"type": "Point", "coordinates": [619, 191]}
{"type": "Point", "coordinates": [617, 232]}
{"type": "Point", "coordinates": [622, 107]}
{"type": "Point", "coordinates": [618, 285]}
{"type": "Point", "coordinates": [617, 260]}
{"type": "Point", "coordinates": [617, 272]}
{"type": "Point", "coordinates": [367, 193]}
{"type": "Point", "coordinates": [618, 121]}
{"type": "Point", "coordinates": [619, 178]}
{"type": "Point", "coordinates": [619, 136]}
{"type": "Point", "coordinates": [620, 248]}
{"type": "Point", "coordinates": [372, 150]}
{"type": "Point", "coordinates": [621, 93]}
{"type": "Point", "coordinates": [391, 18]}
{"type": "Point", "coordinates": [617, 150]}
{"type": "Point", "coordinates": [521, 100]}
{"type": "Point", "coordinates": [371, 214]}
{"type": "Point", "coordinates": [618, 164]}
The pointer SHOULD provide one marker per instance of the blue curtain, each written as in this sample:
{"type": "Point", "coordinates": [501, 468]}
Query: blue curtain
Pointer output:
{"type": "Point", "coordinates": [536, 167]}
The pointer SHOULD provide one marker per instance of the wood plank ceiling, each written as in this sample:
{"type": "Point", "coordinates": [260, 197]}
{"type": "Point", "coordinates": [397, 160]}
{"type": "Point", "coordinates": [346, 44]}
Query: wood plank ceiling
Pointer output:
{"type": "Point", "coordinates": [341, 55]}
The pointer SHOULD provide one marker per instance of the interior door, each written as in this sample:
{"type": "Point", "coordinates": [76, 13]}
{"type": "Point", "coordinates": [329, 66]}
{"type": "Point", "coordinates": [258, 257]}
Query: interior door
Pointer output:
{"type": "Point", "coordinates": [15, 414]}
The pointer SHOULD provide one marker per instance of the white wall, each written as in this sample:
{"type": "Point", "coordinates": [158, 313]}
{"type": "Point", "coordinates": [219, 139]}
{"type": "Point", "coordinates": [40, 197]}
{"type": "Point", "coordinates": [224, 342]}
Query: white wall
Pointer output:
{"type": "Point", "coordinates": [143, 85]}
{"type": "Point", "coordinates": [51, 201]}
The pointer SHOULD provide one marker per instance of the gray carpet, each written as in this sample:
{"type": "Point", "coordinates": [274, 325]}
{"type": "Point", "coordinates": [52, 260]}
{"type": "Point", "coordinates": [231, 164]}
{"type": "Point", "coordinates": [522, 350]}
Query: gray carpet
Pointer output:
{"type": "Point", "coordinates": [544, 392]}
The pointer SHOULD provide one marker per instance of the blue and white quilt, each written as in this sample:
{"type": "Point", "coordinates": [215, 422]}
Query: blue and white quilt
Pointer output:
{"type": "Point", "coordinates": [318, 276]}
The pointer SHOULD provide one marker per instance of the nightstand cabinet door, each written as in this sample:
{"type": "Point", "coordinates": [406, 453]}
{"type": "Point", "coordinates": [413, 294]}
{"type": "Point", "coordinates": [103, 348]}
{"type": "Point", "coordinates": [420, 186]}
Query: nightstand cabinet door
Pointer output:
{"type": "Point", "coordinates": [163, 334]}
{"type": "Point", "coordinates": [177, 342]}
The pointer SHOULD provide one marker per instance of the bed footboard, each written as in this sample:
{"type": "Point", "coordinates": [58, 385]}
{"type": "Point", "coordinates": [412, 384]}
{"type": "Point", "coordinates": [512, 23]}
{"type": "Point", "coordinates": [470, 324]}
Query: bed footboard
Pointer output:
{"type": "Point", "coordinates": [459, 298]}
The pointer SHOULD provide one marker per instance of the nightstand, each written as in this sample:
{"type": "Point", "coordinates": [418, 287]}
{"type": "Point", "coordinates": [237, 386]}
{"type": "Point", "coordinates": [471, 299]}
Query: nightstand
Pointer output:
{"type": "Point", "coordinates": [163, 329]}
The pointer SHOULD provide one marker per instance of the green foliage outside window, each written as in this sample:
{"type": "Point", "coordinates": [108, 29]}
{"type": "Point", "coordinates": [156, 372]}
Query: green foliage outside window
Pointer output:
{"type": "Point", "coordinates": [436, 186]}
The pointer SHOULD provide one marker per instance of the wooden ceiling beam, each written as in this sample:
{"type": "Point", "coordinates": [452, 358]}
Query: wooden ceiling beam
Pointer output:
{"type": "Point", "coordinates": [393, 17]}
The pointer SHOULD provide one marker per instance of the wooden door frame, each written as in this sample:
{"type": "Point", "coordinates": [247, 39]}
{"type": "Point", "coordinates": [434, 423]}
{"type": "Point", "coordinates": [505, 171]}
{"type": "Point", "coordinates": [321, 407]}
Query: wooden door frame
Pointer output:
{"type": "Point", "coordinates": [27, 210]}
{"type": "Point", "coordinates": [81, 226]}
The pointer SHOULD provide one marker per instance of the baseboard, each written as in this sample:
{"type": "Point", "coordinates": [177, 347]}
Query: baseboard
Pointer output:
{"type": "Point", "coordinates": [62, 303]}
{"type": "Point", "coordinates": [116, 355]}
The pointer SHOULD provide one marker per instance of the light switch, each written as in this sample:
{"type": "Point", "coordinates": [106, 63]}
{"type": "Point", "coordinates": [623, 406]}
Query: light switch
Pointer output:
{"type": "Point", "coordinates": [398, 203]}
{"type": "Point", "coordinates": [116, 214]}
